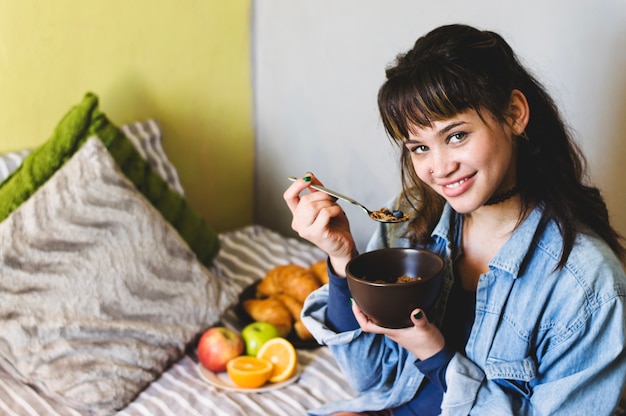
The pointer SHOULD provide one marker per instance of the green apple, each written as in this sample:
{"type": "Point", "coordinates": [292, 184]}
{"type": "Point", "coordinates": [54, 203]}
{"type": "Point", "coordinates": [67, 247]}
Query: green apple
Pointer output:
{"type": "Point", "coordinates": [256, 334]}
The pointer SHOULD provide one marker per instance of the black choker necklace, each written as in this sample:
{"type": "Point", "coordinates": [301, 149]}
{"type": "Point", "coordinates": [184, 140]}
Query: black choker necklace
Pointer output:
{"type": "Point", "coordinates": [496, 199]}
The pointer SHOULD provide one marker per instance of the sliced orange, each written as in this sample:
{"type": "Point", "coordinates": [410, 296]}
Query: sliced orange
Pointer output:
{"type": "Point", "coordinates": [281, 353]}
{"type": "Point", "coordinates": [249, 372]}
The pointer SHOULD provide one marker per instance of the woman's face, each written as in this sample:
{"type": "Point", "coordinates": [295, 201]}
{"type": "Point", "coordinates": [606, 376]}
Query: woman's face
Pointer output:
{"type": "Point", "coordinates": [466, 159]}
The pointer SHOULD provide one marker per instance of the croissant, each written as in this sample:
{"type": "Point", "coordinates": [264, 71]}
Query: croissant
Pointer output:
{"type": "Point", "coordinates": [290, 279]}
{"type": "Point", "coordinates": [295, 308]}
{"type": "Point", "coordinates": [302, 331]}
{"type": "Point", "coordinates": [270, 310]}
{"type": "Point", "coordinates": [320, 271]}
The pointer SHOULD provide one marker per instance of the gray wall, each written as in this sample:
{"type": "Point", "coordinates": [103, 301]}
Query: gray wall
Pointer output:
{"type": "Point", "coordinates": [318, 65]}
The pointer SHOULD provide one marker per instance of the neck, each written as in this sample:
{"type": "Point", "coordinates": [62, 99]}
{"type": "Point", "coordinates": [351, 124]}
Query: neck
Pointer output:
{"type": "Point", "coordinates": [501, 217]}
{"type": "Point", "coordinates": [502, 196]}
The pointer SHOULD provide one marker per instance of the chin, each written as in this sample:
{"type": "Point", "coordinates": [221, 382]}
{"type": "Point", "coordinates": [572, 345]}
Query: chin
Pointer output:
{"type": "Point", "coordinates": [464, 207]}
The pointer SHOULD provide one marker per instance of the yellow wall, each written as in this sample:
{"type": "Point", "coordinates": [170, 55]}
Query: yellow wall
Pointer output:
{"type": "Point", "coordinates": [184, 63]}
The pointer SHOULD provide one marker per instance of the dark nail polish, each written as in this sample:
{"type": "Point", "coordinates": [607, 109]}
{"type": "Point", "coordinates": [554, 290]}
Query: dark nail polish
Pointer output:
{"type": "Point", "coordinates": [307, 179]}
{"type": "Point", "coordinates": [418, 315]}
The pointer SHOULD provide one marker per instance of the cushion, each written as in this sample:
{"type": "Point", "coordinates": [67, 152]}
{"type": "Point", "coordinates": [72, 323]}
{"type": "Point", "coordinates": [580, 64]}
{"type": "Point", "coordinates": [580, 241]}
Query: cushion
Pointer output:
{"type": "Point", "coordinates": [99, 293]}
{"type": "Point", "coordinates": [85, 120]}
{"type": "Point", "coordinates": [144, 135]}
{"type": "Point", "coordinates": [11, 161]}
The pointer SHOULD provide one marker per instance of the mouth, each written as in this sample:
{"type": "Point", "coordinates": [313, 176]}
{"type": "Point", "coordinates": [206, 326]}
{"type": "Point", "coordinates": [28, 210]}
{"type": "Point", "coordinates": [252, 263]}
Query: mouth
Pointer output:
{"type": "Point", "coordinates": [456, 184]}
{"type": "Point", "coordinates": [457, 187]}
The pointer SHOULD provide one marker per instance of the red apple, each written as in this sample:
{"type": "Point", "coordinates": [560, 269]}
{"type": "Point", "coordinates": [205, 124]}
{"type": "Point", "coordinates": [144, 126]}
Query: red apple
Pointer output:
{"type": "Point", "coordinates": [217, 346]}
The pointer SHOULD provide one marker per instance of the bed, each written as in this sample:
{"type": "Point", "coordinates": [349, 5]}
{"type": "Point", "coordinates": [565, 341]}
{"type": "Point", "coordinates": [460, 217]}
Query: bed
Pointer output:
{"type": "Point", "coordinates": [245, 256]}
{"type": "Point", "coordinates": [108, 277]}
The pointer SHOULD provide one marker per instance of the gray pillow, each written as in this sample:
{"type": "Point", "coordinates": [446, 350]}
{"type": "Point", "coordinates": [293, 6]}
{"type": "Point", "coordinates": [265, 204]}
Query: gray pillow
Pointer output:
{"type": "Point", "coordinates": [146, 137]}
{"type": "Point", "coordinates": [99, 294]}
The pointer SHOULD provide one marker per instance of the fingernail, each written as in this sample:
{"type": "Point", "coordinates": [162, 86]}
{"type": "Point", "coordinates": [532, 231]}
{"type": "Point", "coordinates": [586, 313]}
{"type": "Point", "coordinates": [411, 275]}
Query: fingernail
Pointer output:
{"type": "Point", "coordinates": [307, 179]}
{"type": "Point", "coordinates": [418, 315]}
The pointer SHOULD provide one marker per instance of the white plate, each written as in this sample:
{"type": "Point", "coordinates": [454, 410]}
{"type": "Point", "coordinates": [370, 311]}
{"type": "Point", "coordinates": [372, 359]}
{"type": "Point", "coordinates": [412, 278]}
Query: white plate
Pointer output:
{"type": "Point", "coordinates": [223, 381]}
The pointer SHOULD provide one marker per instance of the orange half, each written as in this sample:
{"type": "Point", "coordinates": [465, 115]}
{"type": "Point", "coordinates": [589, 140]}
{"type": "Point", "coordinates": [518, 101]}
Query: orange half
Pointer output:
{"type": "Point", "coordinates": [249, 372]}
{"type": "Point", "coordinates": [281, 353]}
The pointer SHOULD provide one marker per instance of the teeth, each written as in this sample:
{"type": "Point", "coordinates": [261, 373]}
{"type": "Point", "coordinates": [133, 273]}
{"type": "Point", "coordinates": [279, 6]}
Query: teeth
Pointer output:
{"type": "Point", "coordinates": [454, 185]}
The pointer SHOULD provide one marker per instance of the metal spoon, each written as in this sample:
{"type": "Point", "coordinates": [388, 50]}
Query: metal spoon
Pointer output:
{"type": "Point", "coordinates": [382, 215]}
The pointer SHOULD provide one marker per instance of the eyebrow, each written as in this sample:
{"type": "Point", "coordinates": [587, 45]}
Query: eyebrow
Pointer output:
{"type": "Point", "coordinates": [443, 131]}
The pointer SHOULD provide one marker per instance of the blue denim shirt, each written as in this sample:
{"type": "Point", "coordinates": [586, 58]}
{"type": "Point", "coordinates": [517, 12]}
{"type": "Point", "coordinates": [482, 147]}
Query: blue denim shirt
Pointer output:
{"type": "Point", "coordinates": [544, 341]}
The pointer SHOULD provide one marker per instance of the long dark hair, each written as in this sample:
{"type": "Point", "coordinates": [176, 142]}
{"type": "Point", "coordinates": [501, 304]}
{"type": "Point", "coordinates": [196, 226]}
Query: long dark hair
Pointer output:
{"type": "Point", "coordinates": [457, 67]}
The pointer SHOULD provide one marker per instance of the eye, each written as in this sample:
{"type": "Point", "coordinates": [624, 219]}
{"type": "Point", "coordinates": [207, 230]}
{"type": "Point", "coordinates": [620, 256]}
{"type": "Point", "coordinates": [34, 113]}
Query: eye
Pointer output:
{"type": "Point", "coordinates": [420, 149]}
{"type": "Point", "coordinates": [457, 137]}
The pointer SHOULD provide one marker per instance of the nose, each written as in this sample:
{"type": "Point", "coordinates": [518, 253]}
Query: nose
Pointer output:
{"type": "Point", "coordinates": [441, 165]}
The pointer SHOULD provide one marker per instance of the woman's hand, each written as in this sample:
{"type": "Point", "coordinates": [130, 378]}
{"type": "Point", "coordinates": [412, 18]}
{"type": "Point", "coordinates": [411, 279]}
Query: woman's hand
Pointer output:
{"type": "Point", "coordinates": [319, 219]}
{"type": "Point", "coordinates": [423, 339]}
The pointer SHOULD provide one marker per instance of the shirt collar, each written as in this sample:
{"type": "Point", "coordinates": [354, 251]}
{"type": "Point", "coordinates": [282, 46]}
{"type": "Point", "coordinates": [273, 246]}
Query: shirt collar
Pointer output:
{"type": "Point", "coordinates": [510, 257]}
{"type": "Point", "coordinates": [512, 254]}
{"type": "Point", "coordinates": [448, 222]}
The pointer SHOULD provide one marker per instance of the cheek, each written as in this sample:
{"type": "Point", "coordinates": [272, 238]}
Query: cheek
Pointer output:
{"type": "Point", "coordinates": [421, 170]}
{"type": "Point", "coordinates": [501, 155]}
{"type": "Point", "coordinates": [485, 156]}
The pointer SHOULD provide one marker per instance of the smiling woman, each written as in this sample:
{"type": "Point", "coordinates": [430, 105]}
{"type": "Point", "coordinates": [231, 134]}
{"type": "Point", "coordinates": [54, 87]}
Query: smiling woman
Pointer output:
{"type": "Point", "coordinates": [493, 184]}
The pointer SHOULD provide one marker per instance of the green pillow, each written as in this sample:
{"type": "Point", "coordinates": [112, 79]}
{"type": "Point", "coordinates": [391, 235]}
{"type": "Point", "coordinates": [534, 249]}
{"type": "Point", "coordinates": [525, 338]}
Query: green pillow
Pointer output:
{"type": "Point", "coordinates": [86, 120]}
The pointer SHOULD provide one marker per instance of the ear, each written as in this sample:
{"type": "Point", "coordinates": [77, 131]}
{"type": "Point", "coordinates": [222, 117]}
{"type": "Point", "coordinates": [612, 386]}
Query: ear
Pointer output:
{"type": "Point", "coordinates": [519, 112]}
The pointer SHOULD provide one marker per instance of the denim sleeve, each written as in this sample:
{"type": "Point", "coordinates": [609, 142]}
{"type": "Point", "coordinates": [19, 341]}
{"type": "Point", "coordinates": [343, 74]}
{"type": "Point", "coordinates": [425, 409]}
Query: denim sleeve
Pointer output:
{"type": "Point", "coordinates": [392, 378]}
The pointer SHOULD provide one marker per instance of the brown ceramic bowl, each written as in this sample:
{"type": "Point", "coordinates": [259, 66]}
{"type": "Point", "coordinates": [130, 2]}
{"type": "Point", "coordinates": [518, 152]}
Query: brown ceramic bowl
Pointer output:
{"type": "Point", "coordinates": [389, 304]}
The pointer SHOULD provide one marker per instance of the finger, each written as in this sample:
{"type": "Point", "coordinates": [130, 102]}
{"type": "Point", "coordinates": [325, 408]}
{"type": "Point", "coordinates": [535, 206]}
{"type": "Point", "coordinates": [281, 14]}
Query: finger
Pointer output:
{"type": "Point", "coordinates": [315, 181]}
{"type": "Point", "coordinates": [419, 319]}
{"type": "Point", "coordinates": [313, 215]}
{"type": "Point", "coordinates": [327, 211]}
{"type": "Point", "coordinates": [364, 321]}
{"type": "Point", "coordinates": [292, 193]}
{"type": "Point", "coordinates": [361, 318]}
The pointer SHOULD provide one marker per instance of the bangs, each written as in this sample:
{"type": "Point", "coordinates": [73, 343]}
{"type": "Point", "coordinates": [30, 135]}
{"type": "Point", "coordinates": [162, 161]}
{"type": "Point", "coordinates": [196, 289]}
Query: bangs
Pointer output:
{"type": "Point", "coordinates": [419, 98]}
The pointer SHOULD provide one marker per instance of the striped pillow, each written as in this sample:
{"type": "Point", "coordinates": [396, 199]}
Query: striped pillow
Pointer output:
{"type": "Point", "coordinates": [146, 136]}
{"type": "Point", "coordinates": [100, 294]}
